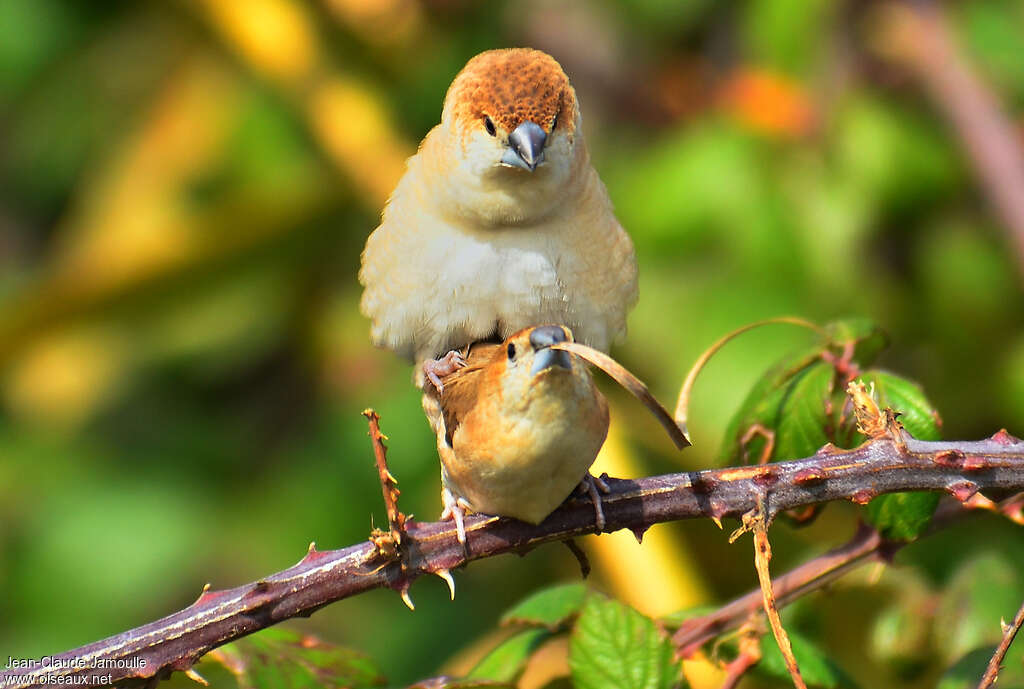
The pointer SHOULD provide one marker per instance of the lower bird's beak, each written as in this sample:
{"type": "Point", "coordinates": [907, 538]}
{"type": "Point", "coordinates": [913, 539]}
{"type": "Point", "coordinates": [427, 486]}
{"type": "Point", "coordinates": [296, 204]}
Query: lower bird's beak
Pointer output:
{"type": "Point", "coordinates": [544, 357]}
{"type": "Point", "coordinates": [525, 147]}
{"type": "Point", "coordinates": [550, 358]}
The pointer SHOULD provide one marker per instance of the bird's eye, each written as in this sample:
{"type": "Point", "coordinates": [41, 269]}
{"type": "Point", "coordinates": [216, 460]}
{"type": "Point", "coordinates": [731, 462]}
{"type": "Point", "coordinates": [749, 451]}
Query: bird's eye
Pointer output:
{"type": "Point", "coordinates": [511, 351]}
{"type": "Point", "coordinates": [489, 126]}
{"type": "Point", "coordinates": [554, 122]}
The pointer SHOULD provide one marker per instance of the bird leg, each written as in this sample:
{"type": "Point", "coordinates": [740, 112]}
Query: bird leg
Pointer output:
{"type": "Point", "coordinates": [455, 508]}
{"type": "Point", "coordinates": [436, 369]}
{"type": "Point", "coordinates": [594, 486]}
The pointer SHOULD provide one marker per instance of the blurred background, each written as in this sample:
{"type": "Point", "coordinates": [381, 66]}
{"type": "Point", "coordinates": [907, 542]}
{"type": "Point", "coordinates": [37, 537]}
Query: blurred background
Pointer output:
{"type": "Point", "coordinates": [185, 188]}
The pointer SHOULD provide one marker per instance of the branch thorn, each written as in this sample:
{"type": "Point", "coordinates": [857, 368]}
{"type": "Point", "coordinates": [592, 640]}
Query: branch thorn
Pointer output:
{"type": "Point", "coordinates": [447, 576]}
{"type": "Point", "coordinates": [196, 677]}
{"type": "Point", "coordinates": [404, 593]}
{"type": "Point", "coordinates": [581, 557]}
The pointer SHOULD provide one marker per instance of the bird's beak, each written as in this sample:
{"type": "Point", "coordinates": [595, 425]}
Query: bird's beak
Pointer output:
{"type": "Point", "coordinates": [525, 147]}
{"type": "Point", "coordinates": [541, 340]}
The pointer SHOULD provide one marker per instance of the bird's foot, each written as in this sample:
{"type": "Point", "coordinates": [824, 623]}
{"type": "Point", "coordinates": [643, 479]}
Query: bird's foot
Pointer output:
{"type": "Point", "coordinates": [594, 486]}
{"type": "Point", "coordinates": [455, 509]}
{"type": "Point", "coordinates": [436, 369]}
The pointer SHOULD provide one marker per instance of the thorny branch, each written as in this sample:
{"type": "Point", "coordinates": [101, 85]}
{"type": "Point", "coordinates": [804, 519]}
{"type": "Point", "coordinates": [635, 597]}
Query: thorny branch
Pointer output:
{"type": "Point", "coordinates": [994, 466]}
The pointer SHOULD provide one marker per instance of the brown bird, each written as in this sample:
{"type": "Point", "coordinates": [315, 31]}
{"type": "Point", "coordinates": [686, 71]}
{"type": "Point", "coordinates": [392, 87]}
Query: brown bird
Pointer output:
{"type": "Point", "coordinates": [521, 424]}
{"type": "Point", "coordinates": [499, 223]}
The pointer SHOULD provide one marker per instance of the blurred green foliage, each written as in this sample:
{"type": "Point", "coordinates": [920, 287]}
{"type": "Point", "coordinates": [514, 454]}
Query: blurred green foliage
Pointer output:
{"type": "Point", "coordinates": [186, 187]}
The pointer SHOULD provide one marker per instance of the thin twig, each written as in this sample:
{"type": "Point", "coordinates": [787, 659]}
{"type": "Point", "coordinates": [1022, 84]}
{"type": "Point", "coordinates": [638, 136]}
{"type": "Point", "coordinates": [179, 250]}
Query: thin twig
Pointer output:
{"type": "Point", "coordinates": [388, 483]}
{"type": "Point", "coordinates": [994, 665]}
{"type": "Point", "coordinates": [884, 465]}
{"type": "Point", "coordinates": [756, 522]}
{"type": "Point", "coordinates": [762, 556]}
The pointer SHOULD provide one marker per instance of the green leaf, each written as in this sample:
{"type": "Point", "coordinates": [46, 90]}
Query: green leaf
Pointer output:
{"type": "Point", "coordinates": [763, 404]}
{"type": "Point", "coordinates": [867, 338]}
{"type": "Point", "coordinates": [815, 667]}
{"type": "Point", "coordinates": [792, 399]}
{"type": "Point", "coordinates": [903, 516]}
{"type": "Point", "coordinates": [802, 415]}
{"type": "Point", "coordinates": [283, 659]}
{"type": "Point", "coordinates": [507, 662]}
{"type": "Point", "coordinates": [551, 607]}
{"type": "Point", "coordinates": [982, 591]}
{"type": "Point", "coordinates": [615, 647]}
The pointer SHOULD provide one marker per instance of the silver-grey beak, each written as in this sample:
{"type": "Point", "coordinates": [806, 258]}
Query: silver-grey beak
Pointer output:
{"type": "Point", "coordinates": [525, 147]}
{"type": "Point", "coordinates": [541, 340]}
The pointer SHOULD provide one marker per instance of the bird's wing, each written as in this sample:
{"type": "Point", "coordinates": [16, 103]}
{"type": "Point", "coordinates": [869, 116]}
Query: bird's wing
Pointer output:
{"type": "Point", "coordinates": [461, 388]}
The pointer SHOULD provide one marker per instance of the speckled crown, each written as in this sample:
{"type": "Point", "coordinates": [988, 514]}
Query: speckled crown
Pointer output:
{"type": "Point", "coordinates": [511, 86]}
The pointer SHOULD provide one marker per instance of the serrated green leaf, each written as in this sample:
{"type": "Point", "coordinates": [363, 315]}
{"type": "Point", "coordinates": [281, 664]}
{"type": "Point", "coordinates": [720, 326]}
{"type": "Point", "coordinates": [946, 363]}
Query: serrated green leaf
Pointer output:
{"type": "Point", "coordinates": [615, 647]}
{"type": "Point", "coordinates": [774, 398]}
{"type": "Point", "coordinates": [551, 607]}
{"type": "Point", "coordinates": [903, 516]}
{"type": "Point", "coordinates": [763, 404]}
{"type": "Point", "coordinates": [507, 662]}
{"type": "Point", "coordinates": [815, 666]}
{"type": "Point", "coordinates": [283, 659]}
{"type": "Point", "coordinates": [803, 414]}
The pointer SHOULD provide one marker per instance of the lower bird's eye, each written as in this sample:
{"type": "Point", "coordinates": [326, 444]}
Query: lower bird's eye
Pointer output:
{"type": "Point", "coordinates": [511, 351]}
{"type": "Point", "coordinates": [554, 122]}
{"type": "Point", "coordinates": [489, 126]}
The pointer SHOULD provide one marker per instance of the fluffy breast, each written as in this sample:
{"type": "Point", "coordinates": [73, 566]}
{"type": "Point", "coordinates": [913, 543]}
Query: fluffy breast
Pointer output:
{"type": "Point", "coordinates": [434, 282]}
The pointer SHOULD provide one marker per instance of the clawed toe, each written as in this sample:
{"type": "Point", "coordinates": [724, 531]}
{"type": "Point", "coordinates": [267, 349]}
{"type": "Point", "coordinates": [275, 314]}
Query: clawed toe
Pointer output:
{"type": "Point", "coordinates": [594, 486]}
{"type": "Point", "coordinates": [436, 369]}
{"type": "Point", "coordinates": [455, 509]}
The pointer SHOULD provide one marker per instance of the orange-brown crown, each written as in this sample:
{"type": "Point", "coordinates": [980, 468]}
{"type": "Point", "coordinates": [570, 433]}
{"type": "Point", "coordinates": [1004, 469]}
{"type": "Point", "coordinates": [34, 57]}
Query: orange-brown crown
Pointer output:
{"type": "Point", "coordinates": [511, 86]}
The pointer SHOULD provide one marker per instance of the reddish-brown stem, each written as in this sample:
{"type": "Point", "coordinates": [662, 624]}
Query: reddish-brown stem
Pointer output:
{"type": "Point", "coordinates": [750, 654]}
{"type": "Point", "coordinates": [884, 465]}
{"type": "Point", "coordinates": [814, 574]}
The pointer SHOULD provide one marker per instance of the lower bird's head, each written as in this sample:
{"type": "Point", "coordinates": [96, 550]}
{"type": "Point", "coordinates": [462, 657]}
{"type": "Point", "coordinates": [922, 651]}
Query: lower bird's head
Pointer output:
{"type": "Point", "coordinates": [512, 118]}
{"type": "Point", "coordinates": [527, 362]}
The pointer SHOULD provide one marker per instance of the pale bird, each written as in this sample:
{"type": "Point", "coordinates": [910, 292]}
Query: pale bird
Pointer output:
{"type": "Point", "coordinates": [499, 223]}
